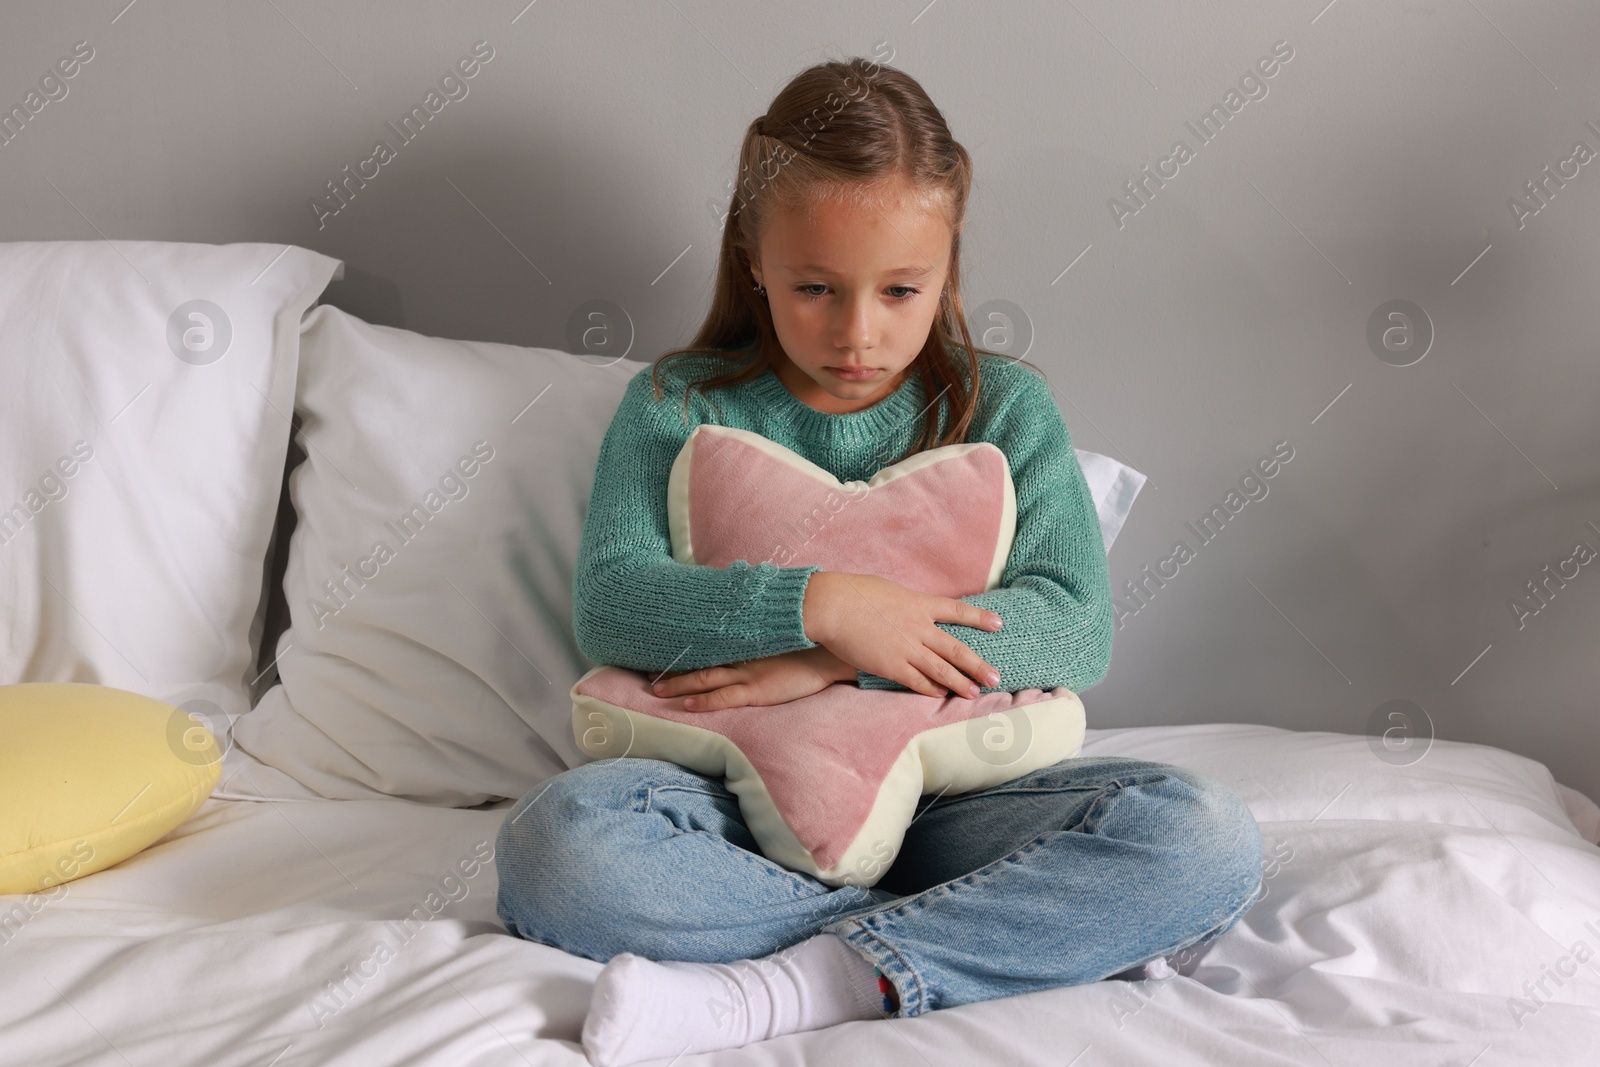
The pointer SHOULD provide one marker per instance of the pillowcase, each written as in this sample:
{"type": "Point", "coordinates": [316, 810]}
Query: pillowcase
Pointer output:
{"type": "Point", "coordinates": [1112, 486]}
{"type": "Point", "coordinates": [90, 775]}
{"type": "Point", "coordinates": [828, 783]}
{"type": "Point", "coordinates": [429, 576]}
{"type": "Point", "coordinates": [145, 392]}
{"type": "Point", "coordinates": [440, 669]}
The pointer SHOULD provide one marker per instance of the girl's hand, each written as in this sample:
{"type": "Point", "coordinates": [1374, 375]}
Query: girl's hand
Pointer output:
{"type": "Point", "coordinates": [886, 629]}
{"type": "Point", "coordinates": [757, 682]}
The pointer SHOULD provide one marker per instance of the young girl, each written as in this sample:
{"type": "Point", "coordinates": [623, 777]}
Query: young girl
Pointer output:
{"type": "Point", "coordinates": [837, 330]}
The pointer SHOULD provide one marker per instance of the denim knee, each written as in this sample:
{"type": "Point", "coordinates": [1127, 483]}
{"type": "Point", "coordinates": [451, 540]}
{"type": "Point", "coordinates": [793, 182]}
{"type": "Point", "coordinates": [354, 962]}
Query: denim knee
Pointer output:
{"type": "Point", "coordinates": [1226, 837]}
{"type": "Point", "coordinates": [578, 870]}
{"type": "Point", "coordinates": [555, 851]}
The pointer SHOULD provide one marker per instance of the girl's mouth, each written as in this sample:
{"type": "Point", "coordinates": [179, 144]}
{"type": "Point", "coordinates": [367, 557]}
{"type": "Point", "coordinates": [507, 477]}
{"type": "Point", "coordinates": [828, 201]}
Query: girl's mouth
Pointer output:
{"type": "Point", "coordinates": [852, 374]}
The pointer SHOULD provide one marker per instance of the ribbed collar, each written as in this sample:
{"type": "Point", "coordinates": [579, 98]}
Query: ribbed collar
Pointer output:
{"type": "Point", "coordinates": [894, 414]}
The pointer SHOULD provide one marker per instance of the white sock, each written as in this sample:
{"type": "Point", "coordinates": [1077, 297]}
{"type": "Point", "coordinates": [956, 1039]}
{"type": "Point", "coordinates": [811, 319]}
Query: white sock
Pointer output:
{"type": "Point", "coordinates": [643, 1010]}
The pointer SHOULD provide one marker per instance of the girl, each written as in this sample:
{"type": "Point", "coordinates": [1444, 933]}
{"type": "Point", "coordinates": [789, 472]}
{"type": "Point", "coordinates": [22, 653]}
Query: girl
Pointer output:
{"type": "Point", "coordinates": [837, 330]}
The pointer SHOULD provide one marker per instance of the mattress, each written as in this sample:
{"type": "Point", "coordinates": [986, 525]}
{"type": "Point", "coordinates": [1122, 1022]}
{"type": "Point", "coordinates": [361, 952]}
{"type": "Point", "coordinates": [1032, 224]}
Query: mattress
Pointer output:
{"type": "Point", "coordinates": [1444, 912]}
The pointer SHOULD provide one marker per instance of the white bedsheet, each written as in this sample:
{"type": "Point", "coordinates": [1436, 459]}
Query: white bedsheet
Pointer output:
{"type": "Point", "coordinates": [1404, 906]}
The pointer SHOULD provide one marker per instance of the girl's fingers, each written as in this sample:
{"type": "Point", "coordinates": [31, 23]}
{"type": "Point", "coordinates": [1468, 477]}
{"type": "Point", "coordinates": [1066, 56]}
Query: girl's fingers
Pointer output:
{"type": "Point", "coordinates": [958, 684]}
{"type": "Point", "coordinates": [924, 680]}
{"type": "Point", "coordinates": [964, 614]}
{"type": "Point", "coordinates": [729, 696]}
{"type": "Point", "coordinates": [688, 682]}
{"type": "Point", "coordinates": [968, 665]}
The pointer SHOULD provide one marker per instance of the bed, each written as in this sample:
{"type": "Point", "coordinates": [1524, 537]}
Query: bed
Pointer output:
{"type": "Point", "coordinates": [333, 900]}
{"type": "Point", "coordinates": [1404, 908]}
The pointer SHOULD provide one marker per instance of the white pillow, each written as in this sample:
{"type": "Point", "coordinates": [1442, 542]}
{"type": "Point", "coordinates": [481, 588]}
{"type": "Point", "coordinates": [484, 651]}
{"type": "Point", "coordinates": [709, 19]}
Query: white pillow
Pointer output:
{"type": "Point", "coordinates": [145, 392]}
{"type": "Point", "coordinates": [442, 672]}
{"type": "Point", "coordinates": [1113, 486]}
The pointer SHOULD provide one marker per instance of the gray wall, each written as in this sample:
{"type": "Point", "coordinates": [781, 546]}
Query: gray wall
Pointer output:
{"type": "Point", "coordinates": [590, 154]}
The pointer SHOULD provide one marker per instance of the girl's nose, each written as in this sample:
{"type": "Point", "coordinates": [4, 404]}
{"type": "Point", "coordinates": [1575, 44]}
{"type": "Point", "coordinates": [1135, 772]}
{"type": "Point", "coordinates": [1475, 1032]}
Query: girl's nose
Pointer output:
{"type": "Point", "coordinates": [856, 331]}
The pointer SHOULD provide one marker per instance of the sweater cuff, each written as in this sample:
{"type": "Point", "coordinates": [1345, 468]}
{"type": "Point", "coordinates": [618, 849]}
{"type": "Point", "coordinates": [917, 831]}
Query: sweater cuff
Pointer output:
{"type": "Point", "coordinates": [876, 681]}
{"type": "Point", "coordinates": [782, 606]}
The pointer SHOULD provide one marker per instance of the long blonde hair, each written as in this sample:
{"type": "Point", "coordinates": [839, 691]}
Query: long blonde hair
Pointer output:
{"type": "Point", "coordinates": [846, 131]}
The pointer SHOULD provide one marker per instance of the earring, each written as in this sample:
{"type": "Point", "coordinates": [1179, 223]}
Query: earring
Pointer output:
{"type": "Point", "coordinates": [759, 289]}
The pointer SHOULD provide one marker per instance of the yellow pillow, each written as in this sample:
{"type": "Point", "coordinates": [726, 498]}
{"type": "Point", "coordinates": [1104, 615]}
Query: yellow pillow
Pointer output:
{"type": "Point", "coordinates": [90, 775]}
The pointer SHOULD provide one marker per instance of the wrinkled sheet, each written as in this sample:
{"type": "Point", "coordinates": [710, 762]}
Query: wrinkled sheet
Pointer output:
{"type": "Point", "coordinates": [1411, 914]}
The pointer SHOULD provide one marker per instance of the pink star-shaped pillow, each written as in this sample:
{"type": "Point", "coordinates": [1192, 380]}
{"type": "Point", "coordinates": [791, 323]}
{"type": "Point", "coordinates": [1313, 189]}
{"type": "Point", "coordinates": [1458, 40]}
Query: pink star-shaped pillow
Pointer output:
{"type": "Point", "coordinates": [828, 783]}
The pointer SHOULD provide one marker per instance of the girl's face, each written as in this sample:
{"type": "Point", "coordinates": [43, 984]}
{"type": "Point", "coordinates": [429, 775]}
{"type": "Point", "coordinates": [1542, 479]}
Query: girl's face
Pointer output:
{"type": "Point", "coordinates": [852, 288]}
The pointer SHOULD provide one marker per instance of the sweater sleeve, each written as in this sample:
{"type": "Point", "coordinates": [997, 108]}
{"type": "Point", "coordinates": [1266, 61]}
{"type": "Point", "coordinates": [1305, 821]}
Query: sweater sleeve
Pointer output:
{"type": "Point", "coordinates": [1054, 597]}
{"type": "Point", "coordinates": [636, 607]}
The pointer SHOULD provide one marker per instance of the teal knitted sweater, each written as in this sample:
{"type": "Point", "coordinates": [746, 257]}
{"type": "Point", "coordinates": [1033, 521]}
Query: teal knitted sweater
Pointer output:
{"type": "Point", "coordinates": [634, 606]}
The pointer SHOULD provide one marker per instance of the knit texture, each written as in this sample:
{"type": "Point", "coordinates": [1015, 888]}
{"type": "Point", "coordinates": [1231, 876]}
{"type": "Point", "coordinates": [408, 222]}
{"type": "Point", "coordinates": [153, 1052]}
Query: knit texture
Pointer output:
{"type": "Point", "coordinates": [636, 607]}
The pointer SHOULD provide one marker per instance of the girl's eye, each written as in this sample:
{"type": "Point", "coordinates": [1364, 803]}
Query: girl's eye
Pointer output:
{"type": "Point", "coordinates": [910, 291]}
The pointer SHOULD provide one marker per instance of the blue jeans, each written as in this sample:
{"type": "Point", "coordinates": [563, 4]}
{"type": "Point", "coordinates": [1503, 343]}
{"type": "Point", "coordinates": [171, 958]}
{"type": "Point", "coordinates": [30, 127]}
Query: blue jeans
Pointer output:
{"type": "Point", "coordinates": [1071, 874]}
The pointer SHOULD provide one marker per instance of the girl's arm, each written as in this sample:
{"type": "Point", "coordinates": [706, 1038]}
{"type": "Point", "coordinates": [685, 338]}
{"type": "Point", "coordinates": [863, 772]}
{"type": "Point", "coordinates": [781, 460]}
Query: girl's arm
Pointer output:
{"type": "Point", "coordinates": [636, 607]}
{"type": "Point", "coordinates": [1055, 595]}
